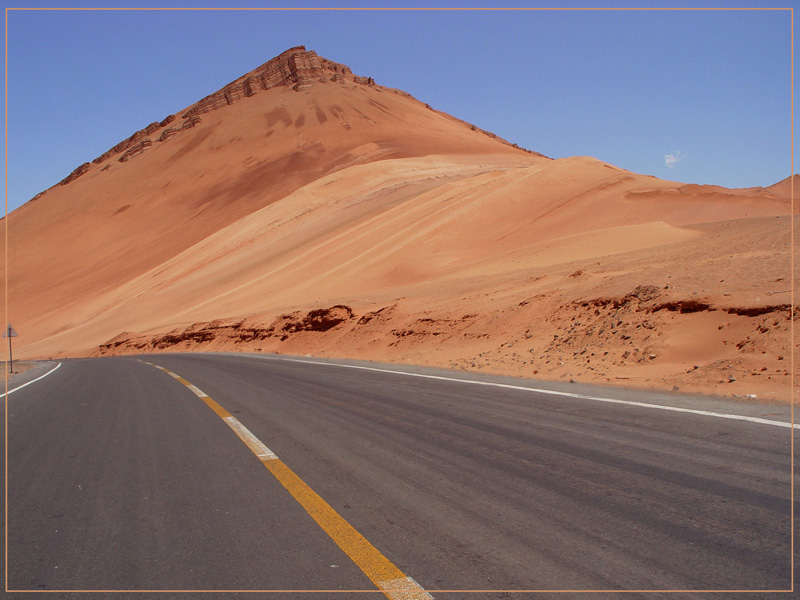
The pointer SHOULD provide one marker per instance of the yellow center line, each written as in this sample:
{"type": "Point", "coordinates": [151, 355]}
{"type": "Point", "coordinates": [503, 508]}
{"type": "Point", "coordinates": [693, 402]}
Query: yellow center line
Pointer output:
{"type": "Point", "coordinates": [224, 414]}
{"type": "Point", "coordinates": [395, 584]}
{"type": "Point", "coordinates": [369, 559]}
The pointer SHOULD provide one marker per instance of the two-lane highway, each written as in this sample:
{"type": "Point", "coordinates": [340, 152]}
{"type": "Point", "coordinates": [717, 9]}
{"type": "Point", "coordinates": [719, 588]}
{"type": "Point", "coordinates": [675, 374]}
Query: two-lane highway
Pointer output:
{"type": "Point", "coordinates": [122, 477]}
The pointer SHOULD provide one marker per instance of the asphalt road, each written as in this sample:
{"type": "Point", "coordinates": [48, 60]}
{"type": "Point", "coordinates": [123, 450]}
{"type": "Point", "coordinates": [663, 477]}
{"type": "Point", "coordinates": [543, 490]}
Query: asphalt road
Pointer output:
{"type": "Point", "coordinates": [121, 478]}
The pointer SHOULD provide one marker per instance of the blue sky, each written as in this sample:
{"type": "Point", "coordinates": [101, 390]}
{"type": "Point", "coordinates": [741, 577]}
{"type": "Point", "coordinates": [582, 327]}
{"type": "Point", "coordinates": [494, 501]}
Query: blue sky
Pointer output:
{"type": "Point", "coordinates": [691, 96]}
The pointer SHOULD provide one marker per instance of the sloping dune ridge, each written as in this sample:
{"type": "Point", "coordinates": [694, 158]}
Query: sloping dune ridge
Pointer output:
{"type": "Point", "coordinates": [303, 209]}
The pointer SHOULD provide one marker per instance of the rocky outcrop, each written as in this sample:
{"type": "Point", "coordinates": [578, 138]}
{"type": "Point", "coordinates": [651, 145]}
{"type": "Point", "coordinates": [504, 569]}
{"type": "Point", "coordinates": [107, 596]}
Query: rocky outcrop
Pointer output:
{"type": "Point", "coordinates": [321, 319]}
{"type": "Point", "coordinates": [135, 139]}
{"type": "Point", "coordinates": [238, 331]}
{"type": "Point", "coordinates": [170, 131]}
{"type": "Point", "coordinates": [364, 80]}
{"type": "Point", "coordinates": [72, 176]}
{"type": "Point", "coordinates": [137, 148]}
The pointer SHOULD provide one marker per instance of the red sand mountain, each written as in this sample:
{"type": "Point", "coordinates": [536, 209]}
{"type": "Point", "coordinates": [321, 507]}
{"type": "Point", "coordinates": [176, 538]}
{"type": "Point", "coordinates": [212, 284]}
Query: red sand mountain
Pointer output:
{"type": "Point", "coordinates": [306, 209]}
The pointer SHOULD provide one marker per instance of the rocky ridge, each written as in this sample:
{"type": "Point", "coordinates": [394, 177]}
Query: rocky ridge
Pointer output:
{"type": "Point", "coordinates": [603, 339]}
{"type": "Point", "coordinates": [297, 68]}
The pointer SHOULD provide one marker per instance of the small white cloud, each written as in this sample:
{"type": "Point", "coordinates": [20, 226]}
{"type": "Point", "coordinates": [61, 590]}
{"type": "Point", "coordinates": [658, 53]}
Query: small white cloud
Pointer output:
{"type": "Point", "coordinates": [673, 158]}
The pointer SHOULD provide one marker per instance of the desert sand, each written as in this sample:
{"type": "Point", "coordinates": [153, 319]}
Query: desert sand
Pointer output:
{"type": "Point", "coordinates": [306, 210]}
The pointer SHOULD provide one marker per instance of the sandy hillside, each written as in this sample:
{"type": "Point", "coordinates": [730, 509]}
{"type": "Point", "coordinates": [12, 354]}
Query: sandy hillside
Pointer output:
{"type": "Point", "coordinates": [306, 210]}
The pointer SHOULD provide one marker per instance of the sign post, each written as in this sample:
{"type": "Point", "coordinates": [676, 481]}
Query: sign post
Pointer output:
{"type": "Point", "coordinates": [9, 333]}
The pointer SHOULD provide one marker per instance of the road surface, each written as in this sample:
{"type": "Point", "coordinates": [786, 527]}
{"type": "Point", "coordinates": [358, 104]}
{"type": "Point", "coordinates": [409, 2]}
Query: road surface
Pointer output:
{"type": "Point", "coordinates": [121, 477]}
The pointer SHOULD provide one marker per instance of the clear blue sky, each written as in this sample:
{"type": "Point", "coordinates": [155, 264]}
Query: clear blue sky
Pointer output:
{"type": "Point", "coordinates": [691, 96]}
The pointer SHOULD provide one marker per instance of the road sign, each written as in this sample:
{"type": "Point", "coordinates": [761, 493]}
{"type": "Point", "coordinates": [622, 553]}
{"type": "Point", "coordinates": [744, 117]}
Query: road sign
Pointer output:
{"type": "Point", "coordinates": [9, 333]}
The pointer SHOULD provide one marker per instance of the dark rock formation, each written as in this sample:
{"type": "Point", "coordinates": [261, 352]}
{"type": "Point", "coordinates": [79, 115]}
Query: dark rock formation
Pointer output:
{"type": "Point", "coordinates": [170, 131]}
{"type": "Point", "coordinates": [137, 148]}
{"type": "Point", "coordinates": [75, 174]}
{"type": "Point", "coordinates": [135, 139]}
{"type": "Point", "coordinates": [321, 319]}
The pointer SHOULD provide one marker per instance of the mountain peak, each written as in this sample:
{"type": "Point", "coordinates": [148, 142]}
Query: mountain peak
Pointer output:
{"type": "Point", "coordinates": [296, 67]}
{"type": "Point", "coordinates": [300, 70]}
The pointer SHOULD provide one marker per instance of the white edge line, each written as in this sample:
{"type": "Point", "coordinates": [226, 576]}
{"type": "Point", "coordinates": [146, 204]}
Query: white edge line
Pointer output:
{"type": "Point", "coordinates": [551, 392]}
{"type": "Point", "coordinates": [30, 382]}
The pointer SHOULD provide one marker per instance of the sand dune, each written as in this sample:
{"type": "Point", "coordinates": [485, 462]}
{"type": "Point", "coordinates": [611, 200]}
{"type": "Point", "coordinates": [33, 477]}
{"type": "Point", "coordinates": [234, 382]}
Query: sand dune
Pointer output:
{"type": "Point", "coordinates": [325, 214]}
